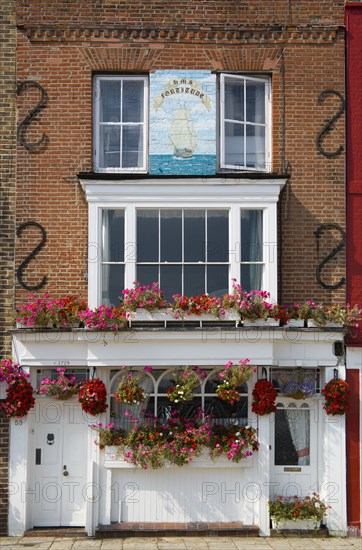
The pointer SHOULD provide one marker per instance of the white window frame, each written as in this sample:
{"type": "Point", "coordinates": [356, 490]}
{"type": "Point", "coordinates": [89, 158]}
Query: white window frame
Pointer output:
{"type": "Point", "coordinates": [267, 83]}
{"type": "Point", "coordinates": [96, 124]}
{"type": "Point", "coordinates": [197, 193]}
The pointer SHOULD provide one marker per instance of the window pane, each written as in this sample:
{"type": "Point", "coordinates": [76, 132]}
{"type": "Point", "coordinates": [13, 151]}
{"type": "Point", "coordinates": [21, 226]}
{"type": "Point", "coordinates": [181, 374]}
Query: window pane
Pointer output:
{"type": "Point", "coordinates": [110, 101]}
{"type": "Point", "coordinates": [186, 410]}
{"type": "Point", "coordinates": [251, 235]}
{"type": "Point", "coordinates": [147, 274]}
{"type": "Point", "coordinates": [113, 236]}
{"type": "Point", "coordinates": [222, 412]}
{"type": "Point", "coordinates": [109, 147]}
{"type": "Point", "coordinates": [194, 279]}
{"type": "Point", "coordinates": [171, 235]}
{"type": "Point", "coordinates": [194, 228]}
{"type": "Point", "coordinates": [147, 236]}
{"type": "Point", "coordinates": [234, 144]}
{"type": "Point", "coordinates": [292, 437]}
{"type": "Point", "coordinates": [217, 236]}
{"type": "Point", "coordinates": [112, 284]}
{"type": "Point", "coordinates": [234, 99]}
{"type": "Point", "coordinates": [132, 146]}
{"type": "Point", "coordinates": [132, 104]}
{"type": "Point", "coordinates": [171, 280]}
{"type": "Point", "coordinates": [251, 276]}
{"type": "Point", "coordinates": [217, 279]}
{"type": "Point", "coordinates": [255, 146]}
{"type": "Point", "coordinates": [255, 102]}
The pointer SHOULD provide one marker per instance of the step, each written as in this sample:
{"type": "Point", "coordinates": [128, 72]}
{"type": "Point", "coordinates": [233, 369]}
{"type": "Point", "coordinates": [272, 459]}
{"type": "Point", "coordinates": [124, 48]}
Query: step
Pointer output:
{"type": "Point", "coordinates": [192, 529]}
{"type": "Point", "coordinates": [72, 532]}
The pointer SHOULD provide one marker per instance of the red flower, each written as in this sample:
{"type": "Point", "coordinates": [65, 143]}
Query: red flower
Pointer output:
{"type": "Point", "coordinates": [264, 395]}
{"type": "Point", "coordinates": [335, 394]}
{"type": "Point", "coordinates": [93, 396]}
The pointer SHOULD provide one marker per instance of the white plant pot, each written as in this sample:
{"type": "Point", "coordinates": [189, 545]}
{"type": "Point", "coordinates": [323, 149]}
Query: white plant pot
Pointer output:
{"type": "Point", "coordinates": [301, 524]}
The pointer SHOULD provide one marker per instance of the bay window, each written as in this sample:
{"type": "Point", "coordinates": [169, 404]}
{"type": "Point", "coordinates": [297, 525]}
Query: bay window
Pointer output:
{"type": "Point", "coordinates": [186, 250]}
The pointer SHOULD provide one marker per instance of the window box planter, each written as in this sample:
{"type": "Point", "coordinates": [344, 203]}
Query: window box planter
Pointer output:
{"type": "Point", "coordinates": [112, 460]}
{"type": "Point", "coordinates": [296, 323]}
{"type": "Point", "coordinates": [168, 314]}
{"type": "Point", "coordinates": [301, 524]}
{"type": "Point", "coordinates": [261, 323]}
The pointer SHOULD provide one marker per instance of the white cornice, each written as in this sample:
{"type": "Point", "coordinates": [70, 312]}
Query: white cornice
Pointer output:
{"type": "Point", "coordinates": [187, 190]}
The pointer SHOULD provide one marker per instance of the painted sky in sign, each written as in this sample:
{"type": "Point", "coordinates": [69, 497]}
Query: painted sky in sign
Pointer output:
{"type": "Point", "coordinates": [203, 121]}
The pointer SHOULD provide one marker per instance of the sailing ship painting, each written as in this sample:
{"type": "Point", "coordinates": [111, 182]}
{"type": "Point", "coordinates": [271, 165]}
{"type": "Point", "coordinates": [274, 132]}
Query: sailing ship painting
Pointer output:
{"type": "Point", "coordinates": [182, 135]}
{"type": "Point", "coordinates": [182, 123]}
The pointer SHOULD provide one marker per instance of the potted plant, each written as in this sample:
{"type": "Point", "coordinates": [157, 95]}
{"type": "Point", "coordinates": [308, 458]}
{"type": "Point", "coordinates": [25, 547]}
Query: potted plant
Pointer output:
{"type": "Point", "coordinates": [335, 394]}
{"type": "Point", "coordinates": [344, 316]}
{"type": "Point", "coordinates": [144, 301]}
{"type": "Point", "coordinates": [62, 387]}
{"type": "Point", "coordinates": [48, 313]}
{"type": "Point", "coordinates": [264, 397]}
{"type": "Point", "coordinates": [93, 396]}
{"type": "Point", "coordinates": [186, 381]}
{"type": "Point", "coordinates": [297, 512]}
{"type": "Point", "coordinates": [129, 390]}
{"type": "Point", "coordinates": [232, 377]}
{"type": "Point", "coordinates": [108, 436]}
{"type": "Point", "coordinates": [105, 318]}
{"type": "Point", "coordinates": [295, 384]}
{"type": "Point", "coordinates": [19, 392]}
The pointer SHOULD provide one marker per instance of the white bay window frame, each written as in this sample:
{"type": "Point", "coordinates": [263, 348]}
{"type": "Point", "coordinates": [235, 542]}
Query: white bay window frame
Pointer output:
{"type": "Point", "coordinates": [267, 123]}
{"type": "Point", "coordinates": [194, 193]}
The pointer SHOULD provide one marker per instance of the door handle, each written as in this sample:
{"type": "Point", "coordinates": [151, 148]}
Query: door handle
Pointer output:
{"type": "Point", "coordinates": [65, 472]}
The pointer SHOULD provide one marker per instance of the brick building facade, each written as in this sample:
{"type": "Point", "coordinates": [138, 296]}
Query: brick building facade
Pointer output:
{"type": "Point", "coordinates": [271, 162]}
{"type": "Point", "coordinates": [7, 219]}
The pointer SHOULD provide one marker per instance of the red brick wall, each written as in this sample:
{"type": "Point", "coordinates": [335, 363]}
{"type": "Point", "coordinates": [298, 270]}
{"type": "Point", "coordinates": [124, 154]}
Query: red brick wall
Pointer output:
{"type": "Point", "coordinates": [62, 43]}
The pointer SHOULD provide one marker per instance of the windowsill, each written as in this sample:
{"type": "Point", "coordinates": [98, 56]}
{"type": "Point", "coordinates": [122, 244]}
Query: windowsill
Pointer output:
{"type": "Point", "coordinates": [221, 174]}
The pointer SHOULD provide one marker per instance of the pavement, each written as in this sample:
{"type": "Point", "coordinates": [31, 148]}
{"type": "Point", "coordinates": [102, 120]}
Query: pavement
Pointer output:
{"type": "Point", "coordinates": [180, 543]}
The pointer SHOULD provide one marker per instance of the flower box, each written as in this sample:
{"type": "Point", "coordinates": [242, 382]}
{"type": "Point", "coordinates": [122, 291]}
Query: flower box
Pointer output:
{"type": "Point", "coordinates": [301, 524]}
{"type": "Point", "coordinates": [261, 323]}
{"type": "Point", "coordinates": [295, 323]}
{"type": "Point", "coordinates": [112, 460]}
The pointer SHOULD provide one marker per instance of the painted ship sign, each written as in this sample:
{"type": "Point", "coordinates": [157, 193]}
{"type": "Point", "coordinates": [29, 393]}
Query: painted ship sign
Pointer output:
{"type": "Point", "coordinates": [182, 123]}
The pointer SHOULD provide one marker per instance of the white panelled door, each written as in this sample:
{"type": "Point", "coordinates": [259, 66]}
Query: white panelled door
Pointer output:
{"type": "Point", "coordinates": [294, 470]}
{"type": "Point", "coordinates": [60, 464]}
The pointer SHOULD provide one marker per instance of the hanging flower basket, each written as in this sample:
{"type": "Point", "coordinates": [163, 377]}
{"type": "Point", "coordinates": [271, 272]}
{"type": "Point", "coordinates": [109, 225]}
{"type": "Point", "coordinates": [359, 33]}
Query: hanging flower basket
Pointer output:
{"type": "Point", "coordinates": [62, 388]}
{"type": "Point", "coordinates": [297, 385]}
{"type": "Point", "coordinates": [228, 394]}
{"type": "Point", "coordinates": [129, 390]}
{"type": "Point", "coordinates": [19, 393]}
{"type": "Point", "coordinates": [93, 396]}
{"type": "Point", "coordinates": [264, 397]}
{"type": "Point", "coordinates": [186, 381]}
{"type": "Point", "coordinates": [232, 377]}
{"type": "Point", "coordinates": [335, 395]}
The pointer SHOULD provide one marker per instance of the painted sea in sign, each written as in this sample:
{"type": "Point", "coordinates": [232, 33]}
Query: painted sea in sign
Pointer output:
{"type": "Point", "coordinates": [198, 165]}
